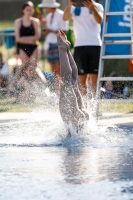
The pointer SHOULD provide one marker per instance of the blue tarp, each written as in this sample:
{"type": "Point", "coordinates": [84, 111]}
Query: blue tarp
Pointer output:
{"type": "Point", "coordinates": [9, 40]}
{"type": "Point", "coordinates": [118, 24]}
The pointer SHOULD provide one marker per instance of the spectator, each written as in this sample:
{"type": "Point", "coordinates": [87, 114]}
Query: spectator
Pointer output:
{"type": "Point", "coordinates": [54, 22]}
{"type": "Point", "coordinates": [4, 73]}
{"type": "Point", "coordinates": [87, 20]}
{"type": "Point", "coordinates": [27, 34]}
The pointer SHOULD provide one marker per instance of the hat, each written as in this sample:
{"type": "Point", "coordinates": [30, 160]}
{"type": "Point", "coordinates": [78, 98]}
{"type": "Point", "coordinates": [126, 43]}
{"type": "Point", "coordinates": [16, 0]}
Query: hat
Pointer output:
{"type": "Point", "coordinates": [49, 4]}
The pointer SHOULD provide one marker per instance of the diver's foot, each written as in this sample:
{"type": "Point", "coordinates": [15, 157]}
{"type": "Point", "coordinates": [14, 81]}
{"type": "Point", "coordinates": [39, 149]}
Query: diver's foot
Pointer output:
{"type": "Point", "coordinates": [62, 42]}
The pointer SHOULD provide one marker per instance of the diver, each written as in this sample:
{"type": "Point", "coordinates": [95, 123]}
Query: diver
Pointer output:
{"type": "Point", "coordinates": [71, 104]}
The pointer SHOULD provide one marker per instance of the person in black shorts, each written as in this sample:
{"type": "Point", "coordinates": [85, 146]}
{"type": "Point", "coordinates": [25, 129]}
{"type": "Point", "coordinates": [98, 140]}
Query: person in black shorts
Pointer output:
{"type": "Point", "coordinates": [87, 56]}
{"type": "Point", "coordinates": [86, 21]}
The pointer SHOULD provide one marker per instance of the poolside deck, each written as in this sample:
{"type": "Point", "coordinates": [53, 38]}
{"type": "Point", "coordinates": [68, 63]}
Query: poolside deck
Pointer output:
{"type": "Point", "coordinates": [105, 119]}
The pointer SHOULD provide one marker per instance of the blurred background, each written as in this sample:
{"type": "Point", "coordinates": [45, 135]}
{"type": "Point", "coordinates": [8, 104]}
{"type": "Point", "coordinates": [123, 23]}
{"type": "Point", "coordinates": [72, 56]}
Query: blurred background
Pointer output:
{"type": "Point", "coordinates": [10, 9]}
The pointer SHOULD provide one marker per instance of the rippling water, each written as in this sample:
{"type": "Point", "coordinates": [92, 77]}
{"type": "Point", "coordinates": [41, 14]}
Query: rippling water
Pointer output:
{"type": "Point", "coordinates": [37, 161]}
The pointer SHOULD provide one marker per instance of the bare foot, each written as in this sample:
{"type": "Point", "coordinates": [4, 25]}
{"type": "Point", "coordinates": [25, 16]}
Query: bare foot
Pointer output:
{"type": "Point", "coordinates": [63, 43]}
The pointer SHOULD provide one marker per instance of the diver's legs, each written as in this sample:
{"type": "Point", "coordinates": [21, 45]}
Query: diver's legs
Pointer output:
{"type": "Point", "coordinates": [75, 81]}
{"type": "Point", "coordinates": [68, 102]}
{"type": "Point", "coordinates": [75, 84]}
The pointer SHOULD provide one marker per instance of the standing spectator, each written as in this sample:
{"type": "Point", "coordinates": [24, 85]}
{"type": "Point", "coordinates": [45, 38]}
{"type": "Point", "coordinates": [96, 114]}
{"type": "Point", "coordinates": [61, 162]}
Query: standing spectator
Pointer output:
{"type": "Point", "coordinates": [54, 22]}
{"type": "Point", "coordinates": [87, 20]}
{"type": "Point", "coordinates": [27, 34]}
{"type": "Point", "coordinates": [4, 73]}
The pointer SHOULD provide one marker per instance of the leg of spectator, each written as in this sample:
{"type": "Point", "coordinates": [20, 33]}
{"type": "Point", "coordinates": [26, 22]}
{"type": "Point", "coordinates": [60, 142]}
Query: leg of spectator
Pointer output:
{"type": "Point", "coordinates": [93, 80]}
{"type": "Point", "coordinates": [24, 58]}
{"type": "Point", "coordinates": [83, 84]}
{"type": "Point", "coordinates": [34, 58]}
{"type": "Point", "coordinates": [56, 71]}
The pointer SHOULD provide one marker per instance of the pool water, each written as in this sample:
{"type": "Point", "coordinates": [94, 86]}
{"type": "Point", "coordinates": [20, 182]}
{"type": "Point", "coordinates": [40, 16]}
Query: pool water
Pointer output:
{"type": "Point", "coordinates": [37, 161]}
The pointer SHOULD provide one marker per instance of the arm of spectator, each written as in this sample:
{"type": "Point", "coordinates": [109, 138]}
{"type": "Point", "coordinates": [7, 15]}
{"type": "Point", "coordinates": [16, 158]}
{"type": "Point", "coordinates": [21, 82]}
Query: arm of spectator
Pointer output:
{"type": "Point", "coordinates": [37, 35]}
{"type": "Point", "coordinates": [67, 13]}
{"type": "Point", "coordinates": [47, 31]}
{"type": "Point", "coordinates": [98, 15]}
{"type": "Point", "coordinates": [22, 40]}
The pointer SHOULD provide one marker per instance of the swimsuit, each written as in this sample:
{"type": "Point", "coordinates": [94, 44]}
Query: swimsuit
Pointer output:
{"type": "Point", "coordinates": [27, 32]}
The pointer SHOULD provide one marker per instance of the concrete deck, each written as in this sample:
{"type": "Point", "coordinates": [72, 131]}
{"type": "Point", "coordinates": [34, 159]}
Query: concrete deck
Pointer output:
{"type": "Point", "coordinates": [105, 119]}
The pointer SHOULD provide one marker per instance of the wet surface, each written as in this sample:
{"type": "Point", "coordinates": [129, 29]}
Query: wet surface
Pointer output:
{"type": "Point", "coordinates": [37, 161]}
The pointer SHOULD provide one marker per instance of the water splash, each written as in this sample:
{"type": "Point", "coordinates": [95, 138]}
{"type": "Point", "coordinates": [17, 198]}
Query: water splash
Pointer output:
{"type": "Point", "coordinates": [45, 128]}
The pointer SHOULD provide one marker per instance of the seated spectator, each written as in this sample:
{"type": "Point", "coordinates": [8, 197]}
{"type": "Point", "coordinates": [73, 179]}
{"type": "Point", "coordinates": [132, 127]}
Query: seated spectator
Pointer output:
{"type": "Point", "coordinates": [4, 73]}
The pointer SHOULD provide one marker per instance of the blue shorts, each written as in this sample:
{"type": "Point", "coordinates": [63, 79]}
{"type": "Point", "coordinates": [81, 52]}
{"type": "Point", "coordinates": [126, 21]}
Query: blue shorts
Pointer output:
{"type": "Point", "coordinates": [53, 53]}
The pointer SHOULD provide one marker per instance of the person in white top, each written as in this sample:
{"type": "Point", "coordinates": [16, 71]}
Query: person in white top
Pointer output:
{"type": "Point", "coordinates": [54, 22]}
{"type": "Point", "coordinates": [86, 21]}
{"type": "Point", "coordinates": [4, 73]}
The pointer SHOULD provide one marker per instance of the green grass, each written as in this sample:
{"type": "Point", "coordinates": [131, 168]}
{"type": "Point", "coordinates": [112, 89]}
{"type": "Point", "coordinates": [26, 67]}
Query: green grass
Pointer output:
{"type": "Point", "coordinates": [6, 24]}
{"type": "Point", "coordinates": [7, 53]}
{"type": "Point", "coordinates": [117, 107]}
{"type": "Point", "coordinates": [9, 105]}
